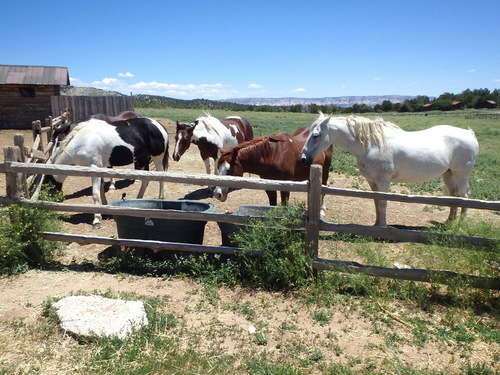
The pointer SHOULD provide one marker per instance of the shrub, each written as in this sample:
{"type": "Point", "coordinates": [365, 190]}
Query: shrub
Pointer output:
{"type": "Point", "coordinates": [21, 246]}
{"type": "Point", "coordinates": [283, 262]}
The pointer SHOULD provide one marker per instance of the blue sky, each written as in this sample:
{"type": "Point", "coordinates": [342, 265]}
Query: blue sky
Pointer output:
{"type": "Point", "coordinates": [226, 49]}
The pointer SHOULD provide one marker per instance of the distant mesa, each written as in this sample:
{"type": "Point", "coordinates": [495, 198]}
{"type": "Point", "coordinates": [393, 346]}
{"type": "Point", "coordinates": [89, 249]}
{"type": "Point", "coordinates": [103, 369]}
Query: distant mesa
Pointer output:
{"type": "Point", "coordinates": [340, 101]}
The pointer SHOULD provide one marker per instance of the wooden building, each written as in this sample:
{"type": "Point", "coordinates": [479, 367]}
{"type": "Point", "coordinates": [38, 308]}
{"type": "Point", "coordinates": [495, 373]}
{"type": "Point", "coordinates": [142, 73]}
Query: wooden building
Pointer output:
{"type": "Point", "coordinates": [26, 91]}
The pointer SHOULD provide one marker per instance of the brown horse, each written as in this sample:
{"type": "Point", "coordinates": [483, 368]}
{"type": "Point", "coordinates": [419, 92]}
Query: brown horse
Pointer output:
{"type": "Point", "coordinates": [274, 157]}
{"type": "Point", "coordinates": [211, 135]}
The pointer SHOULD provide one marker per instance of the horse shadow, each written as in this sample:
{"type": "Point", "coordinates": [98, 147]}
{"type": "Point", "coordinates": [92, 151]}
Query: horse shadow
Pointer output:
{"type": "Point", "coordinates": [121, 184]}
{"type": "Point", "coordinates": [203, 193]}
{"type": "Point", "coordinates": [76, 219]}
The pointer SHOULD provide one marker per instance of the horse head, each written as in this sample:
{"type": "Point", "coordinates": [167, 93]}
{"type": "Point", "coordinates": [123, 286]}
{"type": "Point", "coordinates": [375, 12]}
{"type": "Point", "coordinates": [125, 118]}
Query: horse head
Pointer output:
{"type": "Point", "coordinates": [317, 141]}
{"type": "Point", "coordinates": [183, 136]}
{"type": "Point", "coordinates": [227, 165]}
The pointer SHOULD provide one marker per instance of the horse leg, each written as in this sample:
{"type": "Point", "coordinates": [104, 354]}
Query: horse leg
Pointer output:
{"type": "Point", "coordinates": [216, 163]}
{"type": "Point", "coordinates": [207, 165]}
{"type": "Point", "coordinates": [380, 205]}
{"type": "Point", "coordinates": [458, 186]}
{"type": "Point", "coordinates": [142, 190]}
{"type": "Point", "coordinates": [322, 210]}
{"type": "Point", "coordinates": [273, 197]}
{"type": "Point", "coordinates": [97, 193]}
{"type": "Point", "coordinates": [104, 200]}
{"type": "Point", "coordinates": [112, 183]}
{"type": "Point", "coordinates": [159, 167]}
{"type": "Point", "coordinates": [451, 184]}
{"type": "Point", "coordinates": [285, 196]}
{"type": "Point", "coordinates": [463, 191]}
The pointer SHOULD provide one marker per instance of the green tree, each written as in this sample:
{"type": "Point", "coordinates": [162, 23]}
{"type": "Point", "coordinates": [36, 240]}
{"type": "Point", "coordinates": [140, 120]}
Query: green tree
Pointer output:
{"type": "Point", "coordinates": [386, 106]}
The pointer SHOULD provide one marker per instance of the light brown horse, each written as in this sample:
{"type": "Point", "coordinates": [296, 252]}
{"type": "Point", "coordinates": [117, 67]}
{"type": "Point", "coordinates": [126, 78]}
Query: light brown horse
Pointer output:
{"type": "Point", "coordinates": [274, 157]}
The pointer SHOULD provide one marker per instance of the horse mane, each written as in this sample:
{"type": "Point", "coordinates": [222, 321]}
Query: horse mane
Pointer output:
{"type": "Point", "coordinates": [366, 130]}
{"type": "Point", "coordinates": [210, 122]}
{"type": "Point", "coordinates": [260, 144]}
{"type": "Point", "coordinates": [363, 129]}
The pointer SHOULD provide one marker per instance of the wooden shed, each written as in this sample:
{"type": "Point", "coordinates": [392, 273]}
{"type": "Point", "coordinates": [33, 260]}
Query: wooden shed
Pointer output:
{"type": "Point", "coordinates": [25, 93]}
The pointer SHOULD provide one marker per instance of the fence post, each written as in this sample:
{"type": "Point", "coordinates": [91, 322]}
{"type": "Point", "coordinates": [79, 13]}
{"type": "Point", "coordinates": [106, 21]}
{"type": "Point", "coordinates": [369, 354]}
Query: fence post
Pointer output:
{"type": "Point", "coordinates": [19, 142]}
{"type": "Point", "coordinates": [37, 130]}
{"type": "Point", "coordinates": [13, 181]}
{"type": "Point", "coordinates": [313, 210]}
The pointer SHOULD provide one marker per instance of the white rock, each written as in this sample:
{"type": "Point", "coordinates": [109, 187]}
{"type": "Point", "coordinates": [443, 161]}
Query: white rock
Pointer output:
{"type": "Point", "coordinates": [99, 316]}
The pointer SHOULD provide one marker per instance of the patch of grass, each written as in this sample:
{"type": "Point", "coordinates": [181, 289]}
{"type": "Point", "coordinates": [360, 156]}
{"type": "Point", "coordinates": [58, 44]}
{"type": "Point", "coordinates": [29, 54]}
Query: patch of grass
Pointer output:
{"type": "Point", "coordinates": [321, 317]}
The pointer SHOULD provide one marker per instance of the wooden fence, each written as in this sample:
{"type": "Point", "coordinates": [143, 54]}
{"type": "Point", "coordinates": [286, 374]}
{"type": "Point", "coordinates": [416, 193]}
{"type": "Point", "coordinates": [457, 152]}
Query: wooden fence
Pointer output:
{"type": "Point", "coordinates": [82, 106]}
{"type": "Point", "coordinates": [15, 169]}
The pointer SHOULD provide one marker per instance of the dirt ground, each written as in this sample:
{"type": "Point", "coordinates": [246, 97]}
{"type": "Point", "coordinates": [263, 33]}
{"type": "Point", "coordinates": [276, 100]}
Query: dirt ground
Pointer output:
{"type": "Point", "coordinates": [22, 296]}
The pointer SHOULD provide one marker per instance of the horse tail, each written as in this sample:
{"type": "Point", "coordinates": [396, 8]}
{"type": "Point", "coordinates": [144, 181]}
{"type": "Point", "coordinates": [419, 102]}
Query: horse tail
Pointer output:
{"type": "Point", "coordinates": [166, 159]}
{"type": "Point", "coordinates": [472, 132]}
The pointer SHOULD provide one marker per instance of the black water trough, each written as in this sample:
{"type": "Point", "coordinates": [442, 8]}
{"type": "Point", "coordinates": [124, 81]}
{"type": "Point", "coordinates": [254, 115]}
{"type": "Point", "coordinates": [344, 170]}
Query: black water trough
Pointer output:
{"type": "Point", "coordinates": [168, 230]}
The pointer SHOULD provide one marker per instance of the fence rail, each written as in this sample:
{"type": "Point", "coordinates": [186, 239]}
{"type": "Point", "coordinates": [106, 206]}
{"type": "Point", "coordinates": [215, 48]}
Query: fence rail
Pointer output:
{"type": "Point", "coordinates": [14, 169]}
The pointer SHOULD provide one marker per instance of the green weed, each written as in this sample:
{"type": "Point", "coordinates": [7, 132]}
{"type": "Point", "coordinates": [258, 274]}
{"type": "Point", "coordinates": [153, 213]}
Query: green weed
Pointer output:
{"type": "Point", "coordinates": [21, 246]}
{"type": "Point", "coordinates": [283, 262]}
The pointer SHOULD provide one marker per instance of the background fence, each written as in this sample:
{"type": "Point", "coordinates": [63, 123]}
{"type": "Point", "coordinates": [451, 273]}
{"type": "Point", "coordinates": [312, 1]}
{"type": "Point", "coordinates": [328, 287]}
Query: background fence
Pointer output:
{"type": "Point", "coordinates": [83, 106]}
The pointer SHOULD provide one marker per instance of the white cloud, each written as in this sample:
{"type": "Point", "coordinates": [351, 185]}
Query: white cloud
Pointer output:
{"type": "Point", "coordinates": [377, 79]}
{"type": "Point", "coordinates": [254, 86]}
{"type": "Point", "coordinates": [176, 90]}
{"type": "Point", "coordinates": [128, 74]}
{"type": "Point", "coordinates": [299, 90]}
{"type": "Point", "coordinates": [471, 70]}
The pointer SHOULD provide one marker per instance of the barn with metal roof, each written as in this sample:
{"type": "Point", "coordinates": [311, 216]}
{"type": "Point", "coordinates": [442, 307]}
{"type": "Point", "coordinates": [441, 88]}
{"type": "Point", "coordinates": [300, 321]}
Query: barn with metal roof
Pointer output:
{"type": "Point", "coordinates": [25, 93]}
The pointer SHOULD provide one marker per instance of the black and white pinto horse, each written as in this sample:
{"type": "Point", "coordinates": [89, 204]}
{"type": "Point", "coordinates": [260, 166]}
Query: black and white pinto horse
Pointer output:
{"type": "Point", "coordinates": [211, 135]}
{"type": "Point", "coordinates": [96, 143]}
{"type": "Point", "coordinates": [63, 131]}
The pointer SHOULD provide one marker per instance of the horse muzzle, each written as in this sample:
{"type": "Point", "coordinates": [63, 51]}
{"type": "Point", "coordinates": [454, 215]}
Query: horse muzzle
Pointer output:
{"type": "Point", "coordinates": [176, 157]}
{"type": "Point", "coordinates": [306, 160]}
{"type": "Point", "coordinates": [220, 193]}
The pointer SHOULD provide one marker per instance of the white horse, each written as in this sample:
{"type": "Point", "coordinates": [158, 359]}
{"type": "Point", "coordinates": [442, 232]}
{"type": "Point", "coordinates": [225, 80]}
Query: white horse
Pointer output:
{"type": "Point", "coordinates": [386, 153]}
{"type": "Point", "coordinates": [96, 143]}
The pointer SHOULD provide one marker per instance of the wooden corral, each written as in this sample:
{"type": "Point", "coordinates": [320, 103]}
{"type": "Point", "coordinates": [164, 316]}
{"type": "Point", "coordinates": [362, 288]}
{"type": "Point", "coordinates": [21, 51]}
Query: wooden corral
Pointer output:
{"type": "Point", "coordinates": [15, 169]}
{"type": "Point", "coordinates": [26, 91]}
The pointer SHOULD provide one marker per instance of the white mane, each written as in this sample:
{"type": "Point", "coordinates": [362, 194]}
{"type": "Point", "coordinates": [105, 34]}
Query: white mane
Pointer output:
{"type": "Point", "coordinates": [363, 129]}
{"type": "Point", "coordinates": [366, 130]}
{"type": "Point", "coordinates": [209, 127]}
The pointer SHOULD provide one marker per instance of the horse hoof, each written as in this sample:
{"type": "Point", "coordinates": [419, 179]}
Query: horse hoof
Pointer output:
{"type": "Point", "coordinates": [96, 225]}
{"type": "Point", "coordinates": [112, 187]}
